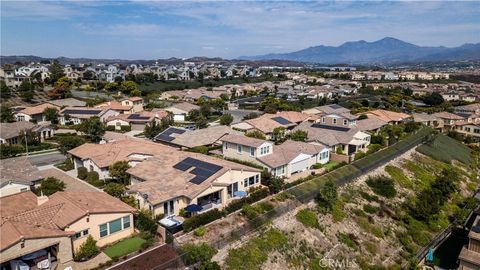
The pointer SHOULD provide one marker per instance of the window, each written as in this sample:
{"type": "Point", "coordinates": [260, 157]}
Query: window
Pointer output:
{"type": "Point", "coordinates": [251, 180]}
{"type": "Point", "coordinates": [245, 182]}
{"type": "Point", "coordinates": [126, 222]}
{"type": "Point", "coordinates": [78, 235]}
{"type": "Point", "coordinates": [114, 226]}
{"type": "Point", "coordinates": [323, 119]}
{"type": "Point", "coordinates": [257, 178]}
{"type": "Point", "coordinates": [239, 148]}
{"type": "Point", "coordinates": [334, 120]}
{"type": "Point", "coordinates": [85, 232]}
{"type": "Point", "coordinates": [103, 230]}
{"type": "Point", "coordinates": [252, 151]}
{"type": "Point", "coordinates": [226, 145]}
{"type": "Point", "coordinates": [344, 122]}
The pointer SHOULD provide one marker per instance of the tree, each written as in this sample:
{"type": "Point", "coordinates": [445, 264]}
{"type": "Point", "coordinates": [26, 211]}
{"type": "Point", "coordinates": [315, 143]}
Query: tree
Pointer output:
{"type": "Point", "coordinates": [127, 87]}
{"type": "Point", "coordinates": [111, 87]}
{"type": "Point", "coordinates": [328, 194]}
{"type": "Point", "coordinates": [61, 88]}
{"type": "Point", "coordinates": [226, 119]}
{"type": "Point", "coordinates": [205, 109]}
{"type": "Point", "coordinates": [256, 134]}
{"type": "Point", "coordinates": [67, 143]}
{"type": "Point", "coordinates": [299, 135]}
{"type": "Point", "coordinates": [144, 222]}
{"type": "Point", "coordinates": [201, 122]}
{"type": "Point", "coordinates": [118, 171]}
{"type": "Point", "coordinates": [93, 128]}
{"type": "Point", "coordinates": [51, 114]}
{"type": "Point", "coordinates": [115, 189]}
{"type": "Point", "coordinates": [433, 99]}
{"type": "Point", "coordinates": [56, 71]}
{"type": "Point", "coordinates": [5, 91]}
{"type": "Point", "coordinates": [279, 134]}
{"type": "Point", "coordinates": [251, 115]}
{"type": "Point", "coordinates": [152, 129]}
{"type": "Point", "coordinates": [136, 93]}
{"type": "Point", "coordinates": [50, 186]}
{"type": "Point", "coordinates": [194, 253]}
{"type": "Point", "coordinates": [87, 250]}
{"type": "Point", "coordinates": [88, 75]}
{"type": "Point", "coordinates": [6, 114]}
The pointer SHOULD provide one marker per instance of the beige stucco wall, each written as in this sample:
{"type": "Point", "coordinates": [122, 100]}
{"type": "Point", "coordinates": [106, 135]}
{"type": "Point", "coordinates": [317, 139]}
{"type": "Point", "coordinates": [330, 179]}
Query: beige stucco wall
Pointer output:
{"type": "Point", "coordinates": [64, 255]}
{"type": "Point", "coordinates": [463, 130]}
{"type": "Point", "coordinates": [13, 188]}
{"type": "Point", "coordinates": [93, 222]}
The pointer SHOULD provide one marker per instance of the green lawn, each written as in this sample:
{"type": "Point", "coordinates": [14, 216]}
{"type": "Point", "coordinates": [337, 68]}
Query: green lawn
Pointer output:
{"type": "Point", "coordinates": [124, 247]}
{"type": "Point", "coordinates": [330, 165]}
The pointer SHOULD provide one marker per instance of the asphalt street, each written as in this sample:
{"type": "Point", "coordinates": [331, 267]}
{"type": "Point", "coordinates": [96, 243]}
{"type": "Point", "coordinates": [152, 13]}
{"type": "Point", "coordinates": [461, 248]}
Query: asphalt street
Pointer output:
{"type": "Point", "coordinates": [46, 159]}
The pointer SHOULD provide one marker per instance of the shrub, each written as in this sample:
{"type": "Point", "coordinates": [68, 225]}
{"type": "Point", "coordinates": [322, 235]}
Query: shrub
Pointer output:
{"type": "Point", "coordinates": [348, 239]}
{"type": "Point", "coordinates": [200, 231]}
{"type": "Point", "coordinates": [252, 198]}
{"type": "Point", "coordinates": [194, 253]}
{"type": "Point", "coordinates": [144, 222]}
{"type": "Point", "coordinates": [370, 209]}
{"type": "Point", "coordinates": [249, 211]}
{"type": "Point", "coordinates": [202, 219]}
{"type": "Point", "coordinates": [93, 179]}
{"type": "Point", "coordinates": [7, 151]}
{"type": "Point", "coordinates": [87, 250]}
{"type": "Point", "coordinates": [126, 128]}
{"type": "Point", "coordinates": [368, 197]}
{"type": "Point", "coordinates": [317, 166]}
{"type": "Point", "coordinates": [382, 186]}
{"type": "Point", "coordinates": [82, 173]}
{"type": "Point", "coordinates": [51, 185]}
{"type": "Point", "coordinates": [308, 218]}
{"type": "Point", "coordinates": [372, 148]}
{"type": "Point", "coordinates": [110, 128]}
{"type": "Point", "coordinates": [360, 155]}
{"type": "Point", "coordinates": [67, 165]}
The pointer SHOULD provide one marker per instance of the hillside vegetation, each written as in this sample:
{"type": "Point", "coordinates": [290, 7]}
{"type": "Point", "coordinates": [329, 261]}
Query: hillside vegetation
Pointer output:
{"type": "Point", "coordinates": [379, 221]}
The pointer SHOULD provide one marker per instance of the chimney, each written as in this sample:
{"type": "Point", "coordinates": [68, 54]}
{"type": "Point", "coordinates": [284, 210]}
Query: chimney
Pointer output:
{"type": "Point", "coordinates": [42, 199]}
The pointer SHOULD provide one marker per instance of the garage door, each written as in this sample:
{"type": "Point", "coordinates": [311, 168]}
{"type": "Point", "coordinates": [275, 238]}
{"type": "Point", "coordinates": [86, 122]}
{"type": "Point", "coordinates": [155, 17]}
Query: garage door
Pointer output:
{"type": "Point", "coordinates": [300, 163]}
{"type": "Point", "coordinates": [138, 126]}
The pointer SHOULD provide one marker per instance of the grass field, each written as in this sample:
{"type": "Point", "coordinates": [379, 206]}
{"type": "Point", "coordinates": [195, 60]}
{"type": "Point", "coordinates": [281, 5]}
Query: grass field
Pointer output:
{"type": "Point", "coordinates": [124, 247]}
{"type": "Point", "coordinates": [446, 149]}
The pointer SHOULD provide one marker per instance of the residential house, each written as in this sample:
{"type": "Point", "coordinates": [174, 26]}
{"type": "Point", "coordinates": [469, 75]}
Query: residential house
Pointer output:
{"type": "Point", "coordinates": [34, 113]}
{"type": "Point", "coordinates": [389, 116]}
{"type": "Point", "coordinates": [450, 96]}
{"type": "Point", "coordinates": [78, 115]}
{"type": "Point", "coordinates": [18, 175]}
{"type": "Point", "coordinates": [468, 129]}
{"type": "Point", "coordinates": [13, 133]}
{"type": "Point", "coordinates": [185, 139]}
{"type": "Point", "coordinates": [50, 230]}
{"type": "Point", "coordinates": [371, 125]}
{"type": "Point", "coordinates": [469, 258]}
{"type": "Point", "coordinates": [447, 121]}
{"type": "Point", "coordinates": [428, 120]}
{"type": "Point", "coordinates": [343, 137]}
{"type": "Point", "coordinates": [137, 121]}
{"type": "Point", "coordinates": [99, 157]}
{"type": "Point", "coordinates": [180, 111]}
{"type": "Point", "coordinates": [168, 183]}
{"type": "Point", "coordinates": [468, 109]}
{"type": "Point", "coordinates": [281, 160]}
{"type": "Point", "coordinates": [267, 123]}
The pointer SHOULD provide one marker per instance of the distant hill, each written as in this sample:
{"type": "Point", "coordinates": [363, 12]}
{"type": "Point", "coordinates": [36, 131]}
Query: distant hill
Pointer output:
{"type": "Point", "coordinates": [24, 59]}
{"type": "Point", "coordinates": [386, 50]}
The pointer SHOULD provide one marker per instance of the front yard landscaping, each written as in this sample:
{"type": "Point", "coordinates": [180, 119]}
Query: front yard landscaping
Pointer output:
{"type": "Point", "coordinates": [124, 247]}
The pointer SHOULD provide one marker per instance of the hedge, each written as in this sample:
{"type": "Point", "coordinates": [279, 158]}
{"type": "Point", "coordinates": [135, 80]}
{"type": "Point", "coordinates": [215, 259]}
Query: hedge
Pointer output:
{"type": "Point", "coordinates": [82, 173]}
{"type": "Point", "coordinates": [202, 219]}
{"type": "Point", "coordinates": [252, 198]}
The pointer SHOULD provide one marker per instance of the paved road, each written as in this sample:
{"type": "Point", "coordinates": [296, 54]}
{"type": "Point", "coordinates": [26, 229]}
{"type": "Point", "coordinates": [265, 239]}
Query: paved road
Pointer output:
{"type": "Point", "coordinates": [46, 159]}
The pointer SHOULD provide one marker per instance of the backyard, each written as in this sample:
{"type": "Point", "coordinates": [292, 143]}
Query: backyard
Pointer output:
{"type": "Point", "coordinates": [124, 247]}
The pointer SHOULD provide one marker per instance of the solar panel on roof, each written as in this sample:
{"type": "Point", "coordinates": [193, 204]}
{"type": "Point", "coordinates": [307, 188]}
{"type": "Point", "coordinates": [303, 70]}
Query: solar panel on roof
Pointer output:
{"type": "Point", "coordinates": [72, 111]}
{"type": "Point", "coordinates": [281, 120]}
{"type": "Point", "coordinates": [203, 170]}
{"type": "Point", "coordinates": [198, 180]}
{"type": "Point", "coordinates": [136, 116]}
{"type": "Point", "coordinates": [166, 135]}
{"type": "Point", "coordinates": [337, 128]}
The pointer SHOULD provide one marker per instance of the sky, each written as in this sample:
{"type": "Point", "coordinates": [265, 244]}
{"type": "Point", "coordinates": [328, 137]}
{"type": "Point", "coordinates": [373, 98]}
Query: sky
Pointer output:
{"type": "Point", "coordinates": [227, 29]}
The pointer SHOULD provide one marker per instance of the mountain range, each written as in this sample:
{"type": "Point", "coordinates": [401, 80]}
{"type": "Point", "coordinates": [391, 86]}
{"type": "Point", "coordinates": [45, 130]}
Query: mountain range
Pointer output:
{"type": "Point", "coordinates": [386, 50]}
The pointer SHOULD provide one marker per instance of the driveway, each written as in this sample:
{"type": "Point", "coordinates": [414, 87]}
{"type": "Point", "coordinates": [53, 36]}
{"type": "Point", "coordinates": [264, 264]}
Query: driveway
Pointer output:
{"type": "Point", "coordinates": [72, 183]}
